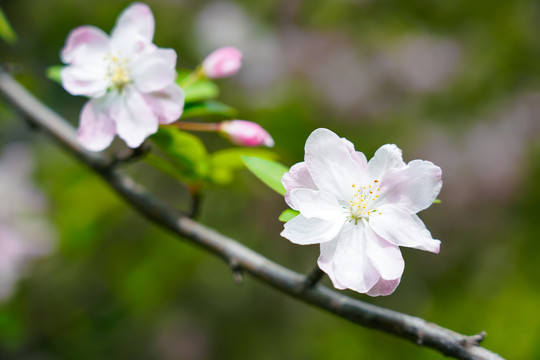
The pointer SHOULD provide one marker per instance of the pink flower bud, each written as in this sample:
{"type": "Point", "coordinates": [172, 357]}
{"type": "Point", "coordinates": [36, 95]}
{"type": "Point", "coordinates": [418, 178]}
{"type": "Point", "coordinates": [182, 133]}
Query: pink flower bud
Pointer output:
{"type": "Point", "coordinates": [225, 61]}
{"type": "Point", "coordinates": [246, 133]}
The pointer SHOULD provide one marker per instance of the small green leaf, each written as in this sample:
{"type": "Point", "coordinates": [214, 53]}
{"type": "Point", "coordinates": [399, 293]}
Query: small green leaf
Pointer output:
{"type": "Point", "coordinates": [436, 201]}
{"type": "Point", "coordinates": [223, 163]}
{"type": "Point", "coordinates": [221, 176]}
{"type": "Point", "coordinates": [6, 31]}
{"type": "Point", "coordinates": [288, 215]}
{"type": "Point", "coordinates": [196, 88]}
{"type": "Point", "coordinates": [268, 171]}
{"type": "Point", "coordinates": [208, 108]}
{"type": "Point", "coordinates": [232, 158]}
{"type": "Point", "coordinates": [184, 149]}
{"type": "Point", "coordinates": [201, 90]}
{"type": "Point", "coordinates": [53, 73]}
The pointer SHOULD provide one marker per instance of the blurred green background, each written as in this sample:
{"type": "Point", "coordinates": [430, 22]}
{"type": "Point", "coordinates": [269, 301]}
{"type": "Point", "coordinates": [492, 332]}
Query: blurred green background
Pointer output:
{"type": "Point", "coordinates": [453, 82]}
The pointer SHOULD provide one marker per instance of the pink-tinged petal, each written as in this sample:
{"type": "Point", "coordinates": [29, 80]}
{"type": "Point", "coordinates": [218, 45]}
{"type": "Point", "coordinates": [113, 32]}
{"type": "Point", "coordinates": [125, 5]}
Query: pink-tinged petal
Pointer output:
{"type": "Point", "coordinates": [317, 204]}
{"type": "Point", "coordinates": [167, 104]}
{"type": "Point", "coordinates": [384, 256]}
{"type": "Point", "coordinates": [303, 231]}
{"type": "Point", "coordinates": [96, 127]}
{"type": "Point", "coordinates": [386, 157]}
{"type": "Point", "coordinates": [297, 177]}
{"type": "Point", "coordinates": [134, 119]}
{"type": "Point", "coordinates": [326, 261]}
{"type": "Point", "coordinates": [154, 70]}
{"type": "Point", "coordinates": [357, 156]}
{"type": "Point", "coordinates": [331, 165]}
{"type": "Point", "coordinates": [83, 41]}
{"type": "Point", "coordinates": [415, 186]}
{"type": "Point", "coordinates": [135, 19]}
{"type": "Point", "coordinates": [347, 262]}
{"type": "Point", "coordinates": [88, 80]}
{"type": "Point", "coordinates": [398, 226]}
{"type": "Point", "coordinates": [384, 287]}
{"type": "Point", "coordinates": [225, 61]}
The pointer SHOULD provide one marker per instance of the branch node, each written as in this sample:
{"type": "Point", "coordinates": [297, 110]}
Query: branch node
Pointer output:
{"type": "Point", "coordinates": [312, 278]}
{"type": "Point", "coordinates": [473, 340]}
{"type": "Point", "coordinates": [237, 272]}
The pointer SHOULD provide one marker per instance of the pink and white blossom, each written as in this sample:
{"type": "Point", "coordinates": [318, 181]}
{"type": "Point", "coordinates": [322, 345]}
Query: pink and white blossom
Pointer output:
{"type": "Point", "coordinates": [25, 234]}
{"type": "Point", "coordinates": [131, 82]}
{"type": "Point", "coordinates": [246, 133]}
{"type": "Point", "coordinates": [360, 212]}
{"type": "Point", "coordinates": [223, 62]}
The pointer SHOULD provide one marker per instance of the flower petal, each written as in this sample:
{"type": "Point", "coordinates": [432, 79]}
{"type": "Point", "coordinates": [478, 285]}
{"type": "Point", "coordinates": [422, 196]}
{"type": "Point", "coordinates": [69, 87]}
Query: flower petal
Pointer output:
{"type": "Point", "coordinates": [167, 103]}
{"type": "Point", "coordinates": [415, 186]}
{"type": "Point", "coordinates": [317, 204]}
{"type": "Point", "coordinates": [347, 263]}
{"type": "Point", "coordinates": [86, 79]}
{"type": "Point", "coordinates": [83, 41]}
{"type": "Point", "coordinates": [399, 227]}
{"type": "Point", "coordinates": [303, 231]}
{"type": "Point", "coordinates": [134, 119]}
{"type": "Point", "coordinates": [386, 157]}
{"type": "Point", "coordinates": [331, 165]}
{"type": "Point", "coordinates": [357, 156]}
{"type": "Point", "coordinates": [96, 128]}
{"type": "Point", "coordinates": [297, 177]}
{"type": "Point", "coordinates": [135, 19]}
{"type": "Point", "coordinates": [154, 70]}
{"type": "Point", "coordinates": [384, 256]}
{"type": "Point", "coordinates": [384, 287]}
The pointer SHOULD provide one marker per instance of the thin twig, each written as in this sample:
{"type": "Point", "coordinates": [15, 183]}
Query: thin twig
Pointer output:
{"type": "Point", "coordinates": [196, 199]}
{"type": "Point", "coordinates": [312, 278]}
{"type": "Point", "coordinates": [134, 154]}
{"type": "Point", "coordinates": [415, 329]}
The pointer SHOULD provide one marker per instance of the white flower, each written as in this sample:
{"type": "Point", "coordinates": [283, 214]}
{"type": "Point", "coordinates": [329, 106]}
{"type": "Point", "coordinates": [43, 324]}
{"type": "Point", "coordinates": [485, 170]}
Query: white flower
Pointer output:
{"type": "Point", "coordinates": [359, 211]}
{"type": "Point", "coordinates": [24, 233]}
{"type": "Point", "coordinates": [131, 82]}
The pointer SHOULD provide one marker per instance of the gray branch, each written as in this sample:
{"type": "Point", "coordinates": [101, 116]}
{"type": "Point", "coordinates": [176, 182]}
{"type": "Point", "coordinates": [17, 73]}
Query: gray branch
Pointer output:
{"type": "Point", "coordinates": [239, 257]}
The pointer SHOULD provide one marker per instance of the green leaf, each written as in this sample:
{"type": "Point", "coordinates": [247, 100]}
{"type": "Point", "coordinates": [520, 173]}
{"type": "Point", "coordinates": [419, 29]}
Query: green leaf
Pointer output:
{"type": "Point", "coordinates": [223, 163]}
{"type": "Point", "coordinates": [208, 108]}
{"type": "Point", "coordinates": [196, 88]}
{"type": "Point", "coordinates": [436, 201]}
{"type": "Point", "coordinates": [53, 73]}
{"type": "Point", "coordinates": [6, 31]}
{"type": "Point", "coordinates": [186, 150]}
{"type": "Point", "coordinates": [232, 158]}
{"type": "Point", "coordinates": [268, 171]}
{"type": "Point", "coordinates": [288, 215]}
{"type": "Point", "coordinates": [201, 90]}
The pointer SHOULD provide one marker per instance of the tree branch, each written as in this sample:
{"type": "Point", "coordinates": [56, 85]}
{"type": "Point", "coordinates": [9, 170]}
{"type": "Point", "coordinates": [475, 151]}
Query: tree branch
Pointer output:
{"type": "Point", "coordinates": [243, 258]}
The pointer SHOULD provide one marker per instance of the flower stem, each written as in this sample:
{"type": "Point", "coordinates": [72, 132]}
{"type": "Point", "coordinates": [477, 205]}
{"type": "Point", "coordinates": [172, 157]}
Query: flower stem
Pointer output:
{"type": "Point", "coordinates": [192, 78]}
{"type": "Point", "coordinates": [193, 126]}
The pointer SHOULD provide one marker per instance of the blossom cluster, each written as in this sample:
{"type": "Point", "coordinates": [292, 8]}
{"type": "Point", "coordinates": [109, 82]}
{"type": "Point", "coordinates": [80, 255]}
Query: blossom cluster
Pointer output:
{"type": "Point", "coordinates": [359, 212]}
{"type": "Point", "coordinates": [131, 82]}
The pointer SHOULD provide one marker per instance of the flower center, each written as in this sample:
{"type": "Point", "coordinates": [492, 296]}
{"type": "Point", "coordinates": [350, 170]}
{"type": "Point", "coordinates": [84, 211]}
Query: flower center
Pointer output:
{"type": "Point", "coordinates": [361, 205]}
{"type": "Point", "coordinates": [117, 71]}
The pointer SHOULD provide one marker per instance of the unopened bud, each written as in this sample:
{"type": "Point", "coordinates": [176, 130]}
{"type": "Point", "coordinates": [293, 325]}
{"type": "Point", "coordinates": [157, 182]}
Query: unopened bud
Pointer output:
{"type": "Point", "coordinates": [223, 62]}
{"type": "Point", "coordinates": [246, 133]}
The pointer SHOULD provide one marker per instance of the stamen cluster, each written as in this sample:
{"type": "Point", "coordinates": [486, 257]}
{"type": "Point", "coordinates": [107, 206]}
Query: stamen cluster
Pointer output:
{"type": "Point", "coordinates": [361, 206]}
